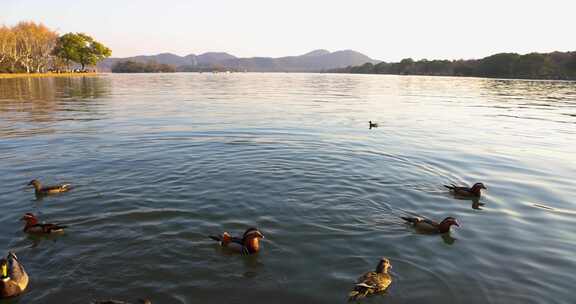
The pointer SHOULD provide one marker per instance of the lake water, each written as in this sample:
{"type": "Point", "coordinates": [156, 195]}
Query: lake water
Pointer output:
{"type": "Point", "coordinates": [161, 161]}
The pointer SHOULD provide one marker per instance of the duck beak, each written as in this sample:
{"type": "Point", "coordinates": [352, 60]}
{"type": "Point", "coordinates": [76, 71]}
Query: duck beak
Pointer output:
{"type": "Point", "coordinates": [457, 224]}
{"type": "Point", "coordinates": [260, 235]}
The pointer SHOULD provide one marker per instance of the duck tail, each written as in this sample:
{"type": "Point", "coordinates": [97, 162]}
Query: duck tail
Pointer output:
{"type": "Point", "coordinates": [409, 219]}
{"type": "Point", "coordinates": [358, 293]}
{"type": "Point", "coordinates": [354, 296]}
{"type": "Point", "coordinates": [216, 238]}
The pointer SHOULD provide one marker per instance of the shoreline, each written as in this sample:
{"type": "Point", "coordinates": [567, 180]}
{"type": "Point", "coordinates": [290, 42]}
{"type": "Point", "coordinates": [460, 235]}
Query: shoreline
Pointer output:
{"type": "Point", "coordinates": [39, 75]}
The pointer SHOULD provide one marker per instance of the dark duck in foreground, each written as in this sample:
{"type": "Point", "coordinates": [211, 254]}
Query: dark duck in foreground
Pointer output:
{"type": "Point", "coordinates": [14, 278]}
{"type": "Point", "coordinates": [372, 282]}
{"type": "Point", "coordinates": [249, 243]}
{"type": "Point", "coordinates": [46, 190]}
{"type": "Point", "coordinates": [428, 226]}
{"type": "Point", "coordinates": [33, 226]}
{"type": "Point", "coordinates": [372, 125]}
{"type": "Point", "coordinates": [474, 191]}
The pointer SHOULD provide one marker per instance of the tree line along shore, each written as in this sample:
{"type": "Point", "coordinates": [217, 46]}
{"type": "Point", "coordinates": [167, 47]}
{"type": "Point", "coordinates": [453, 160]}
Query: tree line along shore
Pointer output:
{"type": "Point", "coordinates": [30, 48]}
{"type": "Point", "coordinates": [555, 66]}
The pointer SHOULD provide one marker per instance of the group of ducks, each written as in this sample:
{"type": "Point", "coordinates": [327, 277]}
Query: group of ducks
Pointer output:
{"type": "Point", "coordinates": [14, 280]}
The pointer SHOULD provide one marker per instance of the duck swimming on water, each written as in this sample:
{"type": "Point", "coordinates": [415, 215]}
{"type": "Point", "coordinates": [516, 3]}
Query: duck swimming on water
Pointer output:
{"type": "Point", "coordinates": [474, 191]}
{"type": "Point", "coordinates": [372, 125]}
{"type": "Point", "coordinates": [14, 280]}
{"type": "Point", "coordinates": [46, 190]}
{"type": "Point", "coordinates": [33, 226]}
{"type": "Point", "coordinates": [428, 226]}
{"type": "Point", "coordinates": [372, 282]}
{"type": "Point", "coordinates": [247, 244]}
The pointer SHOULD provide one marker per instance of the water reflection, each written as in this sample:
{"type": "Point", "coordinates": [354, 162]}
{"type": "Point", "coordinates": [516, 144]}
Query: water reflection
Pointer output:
{"type": "Point", "coordinates": [448, 239]}
{"type": "Point", "coordinates": [32, 106]}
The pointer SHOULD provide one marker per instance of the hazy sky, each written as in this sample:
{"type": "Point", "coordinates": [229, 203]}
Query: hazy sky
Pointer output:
{"type": "Point", "coordinates": [383, 29]}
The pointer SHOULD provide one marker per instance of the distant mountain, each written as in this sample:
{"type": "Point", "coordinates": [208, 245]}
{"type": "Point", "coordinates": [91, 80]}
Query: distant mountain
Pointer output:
{"type": "Point", "coordinates": [315, 61]}
{"type": "Point", "coordinates": [317, 53]}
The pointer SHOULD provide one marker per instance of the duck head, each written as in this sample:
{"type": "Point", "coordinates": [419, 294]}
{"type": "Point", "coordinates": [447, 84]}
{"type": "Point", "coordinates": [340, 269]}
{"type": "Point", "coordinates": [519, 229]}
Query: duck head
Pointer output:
{"type": "Point", "coordinates": [35, 183]}
{"type": "Point", "coordinates": [383, 265]}
{"type": "Point", "coordinates": [477, 186]}
{"type": "Point", "coordinates": [253, 233]}
{"type": "Point", "coordinates": [446, 223]}
{"type": "Point", "coordinates": [30, 219]}
{"type": "Point", "coordinates": [251, 239]}
{"type": "Point", "coordinates": [4, 266]}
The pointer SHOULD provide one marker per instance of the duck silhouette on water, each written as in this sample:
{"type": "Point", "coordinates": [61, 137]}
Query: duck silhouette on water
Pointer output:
{"type": "Point", "coordinates": [249, 243]}
{"type": "Point", "coordinates": [372, 282]}
{"type": "Point", "coordinates": [33, 226]}
{"type": "Point", "coordinates": [372, 125]}
{"type": "Point", "coordinates": [14, 280]}
{"type": "Point", "coordinates": [425, 225]}
{"type": "Point", "coordinates": [41, 190]}
{"type": "Point", "coordinates": [467, 192]}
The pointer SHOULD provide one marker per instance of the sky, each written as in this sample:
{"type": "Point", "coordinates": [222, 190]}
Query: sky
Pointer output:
{"type": "Point", "coordinates": [387, 30]}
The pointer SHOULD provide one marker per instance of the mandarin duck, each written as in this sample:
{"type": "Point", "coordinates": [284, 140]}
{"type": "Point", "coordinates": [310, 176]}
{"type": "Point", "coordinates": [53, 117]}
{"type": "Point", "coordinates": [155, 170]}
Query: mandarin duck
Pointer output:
{"type": "Point", "coordinates": [46, 190]}
{"type": "Point", "coordinates": [14, 279]}
{"type": "Point", "coordinates": [429, 226]}
{"type": "Point", "coordinates": [33, 226]}
{"type": "Point", "coordinates": [247, 244]}
{"type": "Point", "coordinates": [474, 191]}
{"type": "Point", "coordinates": [372, 282]}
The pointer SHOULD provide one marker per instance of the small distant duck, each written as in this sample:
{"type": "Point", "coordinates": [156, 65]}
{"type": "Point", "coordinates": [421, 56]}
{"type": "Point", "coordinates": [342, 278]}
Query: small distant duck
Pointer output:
{"type": "Point", "coordinates": [474, 191]}
{"type": "Point", "coordinates": [372, 282]}
{"type": "Point", "coordinates": [41, 191]}
{"type": "Point", "coordinates": [429, 226]}
{"type": "Point", "coordinates": [247, 244]}
{"type": "Point", "coordinates": [140, 301]}
{"type": "Point", "coordinates": [372, 125]}
{"type": "Point", "coordinates": [34, 227]}
{"type": "Point", "coordinates": [14, 279]}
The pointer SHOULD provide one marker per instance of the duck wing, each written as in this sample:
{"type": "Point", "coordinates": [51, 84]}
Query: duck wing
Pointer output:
{"type": "Point", "coordinates": [422, 224]}
{"type": "Point", "coordinates": [57, 188]}
{"type": "Point", "coordinates": [50, 228]}
{"type": "Point", "coordinates": [16, 271]}
{"type": "Point", "coordinates": [369, 284]}
{"type": "Point", "coordinates": [234, 243]}
{"type": "Point", "coordinates": [459, 189]}
{"type": "Point", "coordinates": [45, 228]}
{"type": "Point", "coordinates": [412, 219]}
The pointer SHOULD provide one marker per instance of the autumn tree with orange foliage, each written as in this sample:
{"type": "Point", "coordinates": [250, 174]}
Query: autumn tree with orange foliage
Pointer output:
{"type": "Point", "coordinates": [29, 47]}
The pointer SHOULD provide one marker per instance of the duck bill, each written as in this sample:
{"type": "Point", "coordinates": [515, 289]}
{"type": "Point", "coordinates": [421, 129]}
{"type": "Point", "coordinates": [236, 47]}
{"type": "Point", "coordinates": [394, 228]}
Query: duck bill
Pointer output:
{"type": "Point", "coordinates": [457, 224]}
{"type": "Point", "coordinates": [260, 235]}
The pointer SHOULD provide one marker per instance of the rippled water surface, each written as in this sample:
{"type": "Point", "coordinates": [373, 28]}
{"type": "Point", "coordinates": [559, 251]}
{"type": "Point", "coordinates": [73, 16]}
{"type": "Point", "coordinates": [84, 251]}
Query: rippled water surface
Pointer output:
{"type": "Point", "coordinates": [161, 161]}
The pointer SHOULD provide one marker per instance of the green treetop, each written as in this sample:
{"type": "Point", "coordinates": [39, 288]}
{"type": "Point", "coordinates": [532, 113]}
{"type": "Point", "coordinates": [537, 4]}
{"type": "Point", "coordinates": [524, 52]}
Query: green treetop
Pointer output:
{"type": "Point", "coordinates": [80, 48]}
